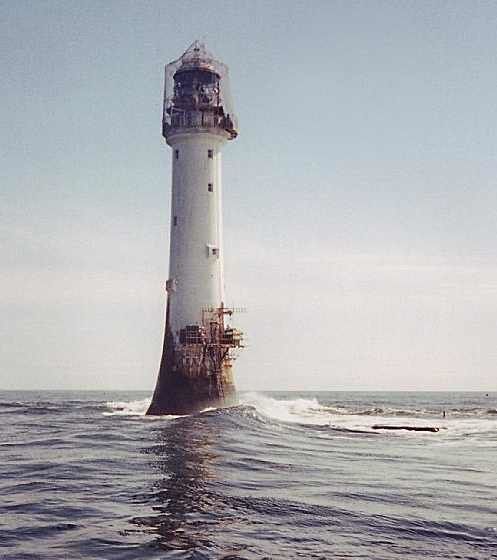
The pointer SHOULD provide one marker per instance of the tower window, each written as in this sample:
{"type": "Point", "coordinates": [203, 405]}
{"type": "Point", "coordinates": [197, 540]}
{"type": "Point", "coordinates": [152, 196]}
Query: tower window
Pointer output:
{"type": "Point", "coordinates": [175, 221]}
{"type": "Point", "coordinates": [212, 250]}
{"type": "Point", "coordinates": [210, 154]}
{"type": "Point", "coordinates": [176, 154]}
{"type": "Point", "coordinates": [210, 187]}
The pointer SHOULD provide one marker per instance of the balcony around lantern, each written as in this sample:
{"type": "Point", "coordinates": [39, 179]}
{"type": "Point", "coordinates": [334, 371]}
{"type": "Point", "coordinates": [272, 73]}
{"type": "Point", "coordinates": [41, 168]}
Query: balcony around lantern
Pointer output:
{"type": "Point", "coordinates": [202, 121]}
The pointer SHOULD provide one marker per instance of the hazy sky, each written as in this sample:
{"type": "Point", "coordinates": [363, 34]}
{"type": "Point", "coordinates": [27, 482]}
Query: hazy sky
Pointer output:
{"type": "Point", "coordinates": [360, 198]}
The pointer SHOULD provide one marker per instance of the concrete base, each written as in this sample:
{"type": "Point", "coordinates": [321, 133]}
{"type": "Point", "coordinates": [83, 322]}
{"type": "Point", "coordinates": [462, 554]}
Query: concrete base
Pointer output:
{"type": "Point", "coordinates": [179, 392]}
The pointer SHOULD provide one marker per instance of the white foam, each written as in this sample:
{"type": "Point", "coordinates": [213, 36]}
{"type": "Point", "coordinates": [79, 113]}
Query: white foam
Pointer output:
{"type": "Point", "coordinates": [302, 411]}
{"type": "Point", "coordinates": [136, 408]}
{"type": "Point", "coordinates": [307, 411]}
{"type": "Point", "coordinates": [311, 412]}
{"type": "Point", "coordinates": [128, 408]}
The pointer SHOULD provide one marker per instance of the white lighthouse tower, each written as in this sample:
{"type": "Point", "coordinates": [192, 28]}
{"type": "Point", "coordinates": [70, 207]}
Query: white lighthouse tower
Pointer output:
{"type": "Point", "coordinates": [199, 345]}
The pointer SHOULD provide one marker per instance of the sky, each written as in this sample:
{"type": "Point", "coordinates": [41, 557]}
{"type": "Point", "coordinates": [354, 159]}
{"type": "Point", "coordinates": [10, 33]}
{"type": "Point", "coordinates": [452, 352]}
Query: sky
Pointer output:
{"type": "Point", "coordinates": [360, 199]}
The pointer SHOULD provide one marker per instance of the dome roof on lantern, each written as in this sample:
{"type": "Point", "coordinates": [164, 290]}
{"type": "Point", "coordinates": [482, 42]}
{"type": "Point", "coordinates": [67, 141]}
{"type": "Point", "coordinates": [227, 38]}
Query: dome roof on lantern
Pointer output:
{"type": "Point", "coordinates": [197, 56]}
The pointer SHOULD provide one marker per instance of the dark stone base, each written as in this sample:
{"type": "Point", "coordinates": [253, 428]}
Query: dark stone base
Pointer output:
{"type": "Point", "coordinates": [177, 393]}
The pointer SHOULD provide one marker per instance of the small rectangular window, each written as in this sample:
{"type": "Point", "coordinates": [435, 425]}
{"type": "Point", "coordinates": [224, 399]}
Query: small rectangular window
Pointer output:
{"type": "Point", "coordinates": [175, 221]}
{"type": "Point", "coordinates": [176, 154]}
{"type": "Point", "coordinates": [210, 187]}
{"type": "Point", "coordinates": [210, 154]}
{"type": "Point", "coordinates": [212, 250]}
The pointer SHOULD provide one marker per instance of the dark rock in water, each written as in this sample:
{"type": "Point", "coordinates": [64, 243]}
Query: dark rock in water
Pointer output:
{"type": "Point", "coordinates": [409, 428]}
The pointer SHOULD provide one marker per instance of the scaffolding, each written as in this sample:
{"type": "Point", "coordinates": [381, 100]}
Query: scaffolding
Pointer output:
{"type": "Point", "coordinates": [210, 346]}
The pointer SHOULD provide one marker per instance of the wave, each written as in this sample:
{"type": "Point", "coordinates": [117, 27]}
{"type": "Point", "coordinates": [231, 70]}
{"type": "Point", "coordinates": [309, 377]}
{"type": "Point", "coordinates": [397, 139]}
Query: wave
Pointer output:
{"type": "Point", "coordinates": [54, 407]}
{"type": "Point", "coordinates": [335, 418]}
{"type": "Point", "coordinates": [310, 412]}
{"type": "Point", "coordinates": [298, 410]}
{"type": "Point", "coordinates": [329, 417]}
{"type": "Point", "coordinates": [11, 404]}
{"type": "Point", "coordinates": [137, 408]}
{"type": "Point", "coordinates": [127, 408]}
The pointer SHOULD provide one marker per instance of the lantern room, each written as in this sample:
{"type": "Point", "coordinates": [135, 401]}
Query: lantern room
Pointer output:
{"type": "Point", "coordinates": [196, 95]}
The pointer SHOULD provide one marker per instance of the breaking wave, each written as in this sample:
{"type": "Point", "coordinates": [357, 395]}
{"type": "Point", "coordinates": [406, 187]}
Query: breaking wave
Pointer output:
{"type": "Point", "coordinates": [300, 410]}
{"type": "Point", "coordinates": [127, 408]}
{"type": "Point", "coordinates": [332, 416]}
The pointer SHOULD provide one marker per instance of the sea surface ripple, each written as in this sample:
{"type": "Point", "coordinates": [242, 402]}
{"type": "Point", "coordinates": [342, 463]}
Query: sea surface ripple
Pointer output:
{"type": "Point", "coordinates": [86, 475]}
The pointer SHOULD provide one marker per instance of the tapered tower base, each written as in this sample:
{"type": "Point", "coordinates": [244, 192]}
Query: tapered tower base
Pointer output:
{"type": "Point", "coordinates": [179, 393]}
{"type": "Point", "coordinates": [185, 386]}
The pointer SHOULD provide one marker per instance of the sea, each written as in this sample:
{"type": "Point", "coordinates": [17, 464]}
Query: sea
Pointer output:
{"type": "Point", "coordinates": [283, 475]}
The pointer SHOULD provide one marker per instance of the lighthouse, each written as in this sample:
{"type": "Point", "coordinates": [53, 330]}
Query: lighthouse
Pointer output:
{"type": "Point", "coordinates": [199, 342]}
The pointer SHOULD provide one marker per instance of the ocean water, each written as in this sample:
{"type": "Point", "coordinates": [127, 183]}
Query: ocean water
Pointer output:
{"type": "Point", "coordinates": [85, 475]}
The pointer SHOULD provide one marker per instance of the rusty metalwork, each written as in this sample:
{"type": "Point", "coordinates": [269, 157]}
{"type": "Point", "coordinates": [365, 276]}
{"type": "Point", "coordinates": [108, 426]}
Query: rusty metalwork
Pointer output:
{"type": "Point", "coordinates": [196, 366]}
{"type": "Point", "coordinates": [209, 345]}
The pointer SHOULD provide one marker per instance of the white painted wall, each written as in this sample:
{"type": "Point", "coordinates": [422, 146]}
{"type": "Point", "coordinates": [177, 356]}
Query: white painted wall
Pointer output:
{"type": "Point", "coordinates": [195, 272]}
